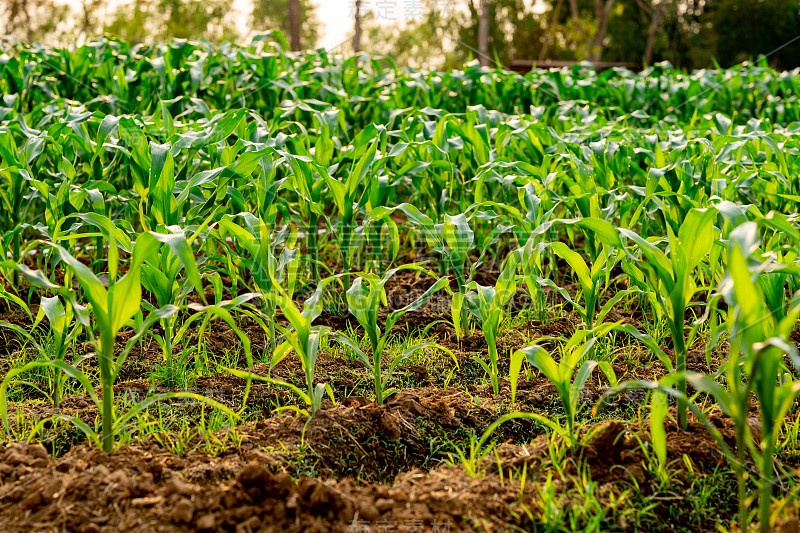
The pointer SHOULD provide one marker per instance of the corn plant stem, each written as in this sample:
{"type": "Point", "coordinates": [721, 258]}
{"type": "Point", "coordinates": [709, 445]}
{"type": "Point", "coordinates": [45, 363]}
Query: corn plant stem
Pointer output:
{"type": "Point", "coordinates": [375, 244]}
{"type": "Point", "coordinates": [573, 443]}
{"type": "Point", "coordinates": [47, 260]}
{"type": "Point", "coordinates": [739, 471]}
{"type": "Point", "coordinates": [464, 318]}
{"type": "Point", "coordinates": [273, 342]}
{"type": "Point", "coordinates": [312, 246]}
{"type": "Point", "coordinates": [376, 375]}
{"type": "Point", "coordinates": [541, 299]}
{"type": "Point", "coordinates": [765, 488]}
{"type": "Point", "coordinates": [106, 355]}
{"type": "Point", "coordinates": [680, 366]}
{"type": "Point", "coordinates": [462, 289]}
{"type": "Point", "coordinates": [551, 262]}
{"type": "Point", "coordinates": [17, 258]}
{"type": "Point", "coordinates": [592, 248]}
{"type": "Point", "coordinates": [309, 368]}
{"type": "Point", "coordinates": [491, 341]}
{"type": "Point", "coordinates": [346, 238]}
{"type": "Point", "coordinates": [345, 282]}
{"type": "Point", "coordinates": [57, 378]}
{"type": "Point", "coordinates": [591, 305]}
{"type": "Point", "coordinates": [98, 249]}
{"type": "Point", "coordinates": [165, 324]}
{"type": "Point", "coordinates": [376, 370]}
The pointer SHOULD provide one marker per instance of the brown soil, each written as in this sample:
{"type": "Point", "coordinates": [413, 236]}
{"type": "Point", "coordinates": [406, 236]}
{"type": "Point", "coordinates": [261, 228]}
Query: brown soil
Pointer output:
{"type": "Point", "coordinates": [138, 490]}
{"type": "Point", "coordinates": [148, 489]}
{"type": "Point", "coordinates": [9, 342]}
{"type": "Point", "coordinates": [615, 454]}
{"type": "Point", "coordinates": [368, 441]}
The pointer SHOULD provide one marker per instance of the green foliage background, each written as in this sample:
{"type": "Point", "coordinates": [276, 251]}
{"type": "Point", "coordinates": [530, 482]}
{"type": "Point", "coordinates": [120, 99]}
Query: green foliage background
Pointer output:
{"type": "Point", "coordinates": [692, 34]}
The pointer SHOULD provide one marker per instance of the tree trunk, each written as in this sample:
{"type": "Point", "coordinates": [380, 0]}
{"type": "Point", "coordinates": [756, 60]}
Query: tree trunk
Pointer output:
{"type": "Point", "coordinates": [294, 25]}
{"type": "Point", "coordinates": [548, 31]}
{"type": "Point", "coordinates": [576, 16]}
{"type": "Point", "coordinates": [483, 34]}
{"type": "Point", "coordinates": [86, 25]}
{"type": "Point", "coordinates": [573, 9]}
{"type": "Point", "coordinates": [357, 34]}
{"type": "Point", "coordinates": [655, 23]}
{"type": "Point", "coordinates": [602, 11]}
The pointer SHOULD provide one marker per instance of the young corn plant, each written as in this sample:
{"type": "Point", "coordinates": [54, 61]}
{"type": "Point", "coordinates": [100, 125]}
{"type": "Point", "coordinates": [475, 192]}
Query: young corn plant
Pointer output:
{"type": "Point", "coordinates": [351, 194]}
{"type": "Point", "coordinates": [258, 250]}
{"type": "Point", "coordinates": [64, 329]}
{"type": "Point", "coordinates": [364, 301]}
{"type": "Point", "coordinates": [593, 281]}
{"type": "Point", "coordinates": [303, 339]}
{"type": "Point", "coordinates": [308, 186]}
{"type": "Point", "coordinates": [453, 240]}
{"type": "Point", "coordinates": [531, 261]}
{"type": "Point", "coordinates": [755, 368]}
{"type": "Point", "coordinates": [563, 375]}
{"type": "Point", "coordinates": [15, 175]}
{"type": "Point", "coordinates": [487, 304]}
{"type": "Point", "coordinates": [671, 279]}
{"type": "Point", "coordinates": [161, 277]}
{"type": "Point", "coordinates": [111, 308]}
{"type": "Point", "coordinates": [759, 336]}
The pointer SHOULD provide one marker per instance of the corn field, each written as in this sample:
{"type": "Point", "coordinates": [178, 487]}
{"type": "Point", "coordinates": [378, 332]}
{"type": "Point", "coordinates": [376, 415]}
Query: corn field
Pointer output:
{"type": "Point", "coordinates": [244, 289]}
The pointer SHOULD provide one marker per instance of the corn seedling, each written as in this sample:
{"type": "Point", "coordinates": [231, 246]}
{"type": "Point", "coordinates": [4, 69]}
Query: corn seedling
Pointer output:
{"type": "Point", "coordinates": [110, 308]}
{"type": "Point", "coordinates": [671, 279]}
{"type": "Point", "coordinates": [161, 277]}
{"type": "Point", "coordinates": [755, 365]}
{"type": "Point", "coordinates": [303, 339]}
{"type": "Point", "coordinates": [364, 299]}
{"type": "Point", "coordinates": [563, 374]}
{"type": "Point", "coordinates": [487, 304]}
{"type": "Point", "coordinates": [269, 268]}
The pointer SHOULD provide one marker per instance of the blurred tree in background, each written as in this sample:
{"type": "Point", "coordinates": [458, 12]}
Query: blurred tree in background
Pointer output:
{"type": "Point", "coordinates": [515, 31]}
{"type": "Point", "coordinates": [740, 27]}
{"type": "Point", "coordinates": [32, 20]}
{"type": "Point", "coordinates": [444, 34]}
{"type": "Point", "coordinates": [158, 20]}
{"type": "Point", "coordinates": [274, 15]}
{"type": "Point", "coordinates": [694, 33]}
{"type": "Point", "coordinates": [425, 42]}
{"type": "Point", "coordinates": [446, 38]}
